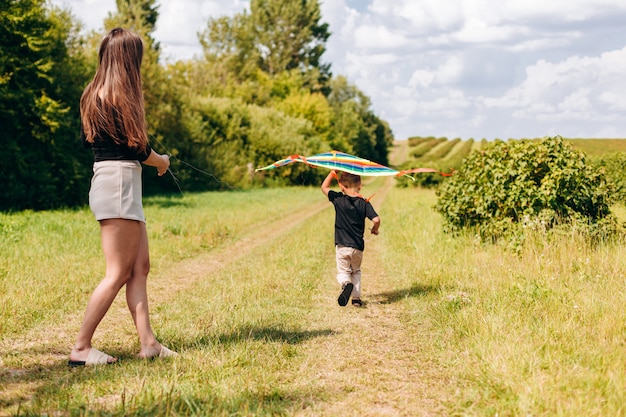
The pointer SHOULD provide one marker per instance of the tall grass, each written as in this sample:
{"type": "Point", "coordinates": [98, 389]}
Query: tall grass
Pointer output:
{"type": "Point", "coordinates": [536, 333]}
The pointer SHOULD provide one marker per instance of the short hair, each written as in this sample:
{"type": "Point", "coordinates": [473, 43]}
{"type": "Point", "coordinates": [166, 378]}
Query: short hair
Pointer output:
{"type": "Point", "coordinates": [350, 180]}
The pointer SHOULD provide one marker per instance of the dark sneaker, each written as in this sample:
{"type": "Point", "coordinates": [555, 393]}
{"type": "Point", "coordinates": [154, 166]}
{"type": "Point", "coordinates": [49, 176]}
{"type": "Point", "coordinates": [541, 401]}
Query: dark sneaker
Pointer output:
{"type": "Point", "coordinates": [357, 302]}
{"type": "Point", "coordinates": [346, 290]}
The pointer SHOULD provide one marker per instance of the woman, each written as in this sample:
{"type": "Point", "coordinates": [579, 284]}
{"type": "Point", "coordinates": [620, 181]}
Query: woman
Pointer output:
{"type": "Point", "coordinates": [114, 127]}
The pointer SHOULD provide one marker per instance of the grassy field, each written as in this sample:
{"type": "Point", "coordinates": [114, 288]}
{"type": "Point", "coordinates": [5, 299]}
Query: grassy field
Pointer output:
{"type": "Point", "coordinates": [595, 147]}
{"type": "Point", "coordinates": [242, 286]}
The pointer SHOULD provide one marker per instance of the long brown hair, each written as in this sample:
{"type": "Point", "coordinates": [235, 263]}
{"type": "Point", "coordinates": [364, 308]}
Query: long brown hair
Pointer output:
{"type": "Point", "coordinates": [112, 103]}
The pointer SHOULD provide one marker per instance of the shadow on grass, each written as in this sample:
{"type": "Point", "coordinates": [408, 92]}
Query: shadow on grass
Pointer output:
{"type": "Point", "coordinates": [21, 387]}
{"type": "Point", "coordinates": [167, 201]}
{"type": "Point", "coordinates": [270, 334]}
{"type": "Point", "coordinates": [244, 334]}
{"type": "Point", "coordinates": [45, 389]}
{"type": "Point", "coordinates": [416, 290]}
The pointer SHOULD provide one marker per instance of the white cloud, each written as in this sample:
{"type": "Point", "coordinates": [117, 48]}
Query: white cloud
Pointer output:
{"type": "Point", "coordinates": [91, 12]}
{"type": "Point", "coordinates": [478, 31]}
{"type": "Point", "coordinates": [423, 16]}
{"type": "Point", "coordinates": [589, 82]}
{"type": "Point", "coordinates": [378, 37]}
{"type": "Point", "coordinates": [567, 10]}
{"type": "Point", "coordinates": [450, 70]}
{"type": "Point", "coordinates": [421, 78]}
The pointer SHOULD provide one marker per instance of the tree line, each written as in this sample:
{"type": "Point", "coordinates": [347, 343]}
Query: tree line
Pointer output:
{"type": "Point", "coordinates": [260, 91]}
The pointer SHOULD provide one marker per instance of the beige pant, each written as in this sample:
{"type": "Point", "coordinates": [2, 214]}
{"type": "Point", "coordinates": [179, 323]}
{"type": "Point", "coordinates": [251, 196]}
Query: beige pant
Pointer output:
{"type": "Point", "coordinates": [349, 267]}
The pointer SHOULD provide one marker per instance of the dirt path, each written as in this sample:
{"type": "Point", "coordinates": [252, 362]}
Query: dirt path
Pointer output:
{"type": "Point", "coordinates": [371, 354]}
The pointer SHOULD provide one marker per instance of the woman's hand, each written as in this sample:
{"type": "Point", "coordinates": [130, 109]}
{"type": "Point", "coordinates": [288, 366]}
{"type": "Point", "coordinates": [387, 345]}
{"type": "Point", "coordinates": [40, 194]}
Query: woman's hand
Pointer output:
{"type": "Point", "coordinates": [161, 162]}
{"type": "Point", "coordinates": [163, 165]}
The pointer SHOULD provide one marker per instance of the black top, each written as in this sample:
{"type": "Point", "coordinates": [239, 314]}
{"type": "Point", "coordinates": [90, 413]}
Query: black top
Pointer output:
{"type": "Point", "coordinates": [350, 214]}
{"type": "Point", "coordinates": [105, 149]}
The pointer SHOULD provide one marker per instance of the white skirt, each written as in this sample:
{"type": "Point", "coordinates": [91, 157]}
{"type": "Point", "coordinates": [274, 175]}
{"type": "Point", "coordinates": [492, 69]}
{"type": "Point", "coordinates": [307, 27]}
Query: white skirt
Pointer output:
{"type": "Point", "coordinates": [116, 191]}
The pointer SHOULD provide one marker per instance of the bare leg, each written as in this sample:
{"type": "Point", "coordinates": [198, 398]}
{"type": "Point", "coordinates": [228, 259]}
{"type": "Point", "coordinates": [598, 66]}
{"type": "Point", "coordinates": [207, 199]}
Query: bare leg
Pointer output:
{"type": "Point", "coordinates": [120, 244]}
{"type": "Point", "coordinates": [137, 298]}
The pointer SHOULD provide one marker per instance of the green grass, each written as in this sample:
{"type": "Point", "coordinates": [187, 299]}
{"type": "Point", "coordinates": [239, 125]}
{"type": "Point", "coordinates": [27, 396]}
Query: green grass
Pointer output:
{"type": "Point", "coordinates": [428, 149]}
{"type": "Point", "coordinates": [595, 147]}
{"type": "Point", "coordinates": [41, 250]}
{"type": "Point", "coordinates": [537, 332]}
{"type": "Point", "coordinates": [541, 333]}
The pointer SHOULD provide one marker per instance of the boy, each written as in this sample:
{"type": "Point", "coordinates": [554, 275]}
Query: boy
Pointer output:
{"type": "Point", "coordinates": [351, 209]}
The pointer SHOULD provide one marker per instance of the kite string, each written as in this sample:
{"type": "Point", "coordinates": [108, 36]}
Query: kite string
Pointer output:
{"type": "Point", "coordinates": [232, 187]}
{"type": "Point", "coordinates": [176, 180]}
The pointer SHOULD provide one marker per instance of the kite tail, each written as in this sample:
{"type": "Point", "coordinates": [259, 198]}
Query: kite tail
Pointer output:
{"type": "Point", "coordinates": [406, 172]}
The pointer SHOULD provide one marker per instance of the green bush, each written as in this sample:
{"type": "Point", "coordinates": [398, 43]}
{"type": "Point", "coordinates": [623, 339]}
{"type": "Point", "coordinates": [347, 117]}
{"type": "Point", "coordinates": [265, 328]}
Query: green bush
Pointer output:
{"type": "Point", "coordinates": [612, 165]}
{"type": "Point", "coordinates": [224, 141]}
{"type": "Point", "coordinates": [513, 185]}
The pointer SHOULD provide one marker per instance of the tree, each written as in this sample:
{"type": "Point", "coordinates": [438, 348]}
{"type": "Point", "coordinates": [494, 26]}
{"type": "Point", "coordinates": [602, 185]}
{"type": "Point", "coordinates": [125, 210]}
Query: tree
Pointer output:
{"type": "Point", "coordinates": [139, 16]}
{"type": "Point", "coordinates": [38, 106]}
{"type": "Point", "coordinates": [277, 36]}
{"type": "Point", "coordinates": [229, 46]}
{"type": "Point", "coordinates": [289, 35]}
{"type": "Point", "coordinates": [356, 128]}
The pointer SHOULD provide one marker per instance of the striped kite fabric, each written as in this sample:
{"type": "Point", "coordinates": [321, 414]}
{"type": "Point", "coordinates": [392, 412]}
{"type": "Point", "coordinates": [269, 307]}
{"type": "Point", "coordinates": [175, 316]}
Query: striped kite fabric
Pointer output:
{"type": "Point", "coordinates": [341, 161]}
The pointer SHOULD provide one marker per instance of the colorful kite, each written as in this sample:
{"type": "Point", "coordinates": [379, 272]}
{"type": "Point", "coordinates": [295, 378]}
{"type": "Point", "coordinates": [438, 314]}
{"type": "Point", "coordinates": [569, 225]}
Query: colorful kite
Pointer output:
{"type": "Point", "coordinates": [349, 163]}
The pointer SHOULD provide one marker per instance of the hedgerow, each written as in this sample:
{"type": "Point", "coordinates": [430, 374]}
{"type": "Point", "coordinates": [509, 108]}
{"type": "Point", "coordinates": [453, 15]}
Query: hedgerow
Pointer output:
{"type": "Point", "coordinates": [460, 152]}
{"type": "Point", "coordinates": [440, 152]}
{"type": "Point", "coordinates": [426, 146]}
{"type": "Point", "coordinates": [454, 156]}
{"type": "Point", "coordinates": [537, 184]}
{"type": "Point", "coordinates": [416, 140]}
{"type": "Point", "coordinates": [612, 164]}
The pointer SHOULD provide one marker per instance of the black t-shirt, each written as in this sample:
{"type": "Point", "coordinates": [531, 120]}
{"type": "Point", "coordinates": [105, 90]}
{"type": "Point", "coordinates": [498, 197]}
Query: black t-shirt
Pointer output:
{"type": "Point", "coordinates": [350, 214]}
{"type": "Point", "coordinates": [105, 149]}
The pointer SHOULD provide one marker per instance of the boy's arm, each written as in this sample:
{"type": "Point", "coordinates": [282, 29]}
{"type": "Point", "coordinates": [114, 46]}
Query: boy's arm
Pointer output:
{"type": "Point", "coordinates": [327, 181]}
{"type": "Point", "coordinates": [376, 225]}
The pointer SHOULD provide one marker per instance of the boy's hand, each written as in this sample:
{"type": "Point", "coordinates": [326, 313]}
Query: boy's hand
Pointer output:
{"type": "Point", "coordinates": [375, 225]}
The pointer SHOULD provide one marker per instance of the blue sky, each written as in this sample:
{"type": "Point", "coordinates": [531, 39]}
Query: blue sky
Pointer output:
{"type": "Point", "coordinates": [454, 68]}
